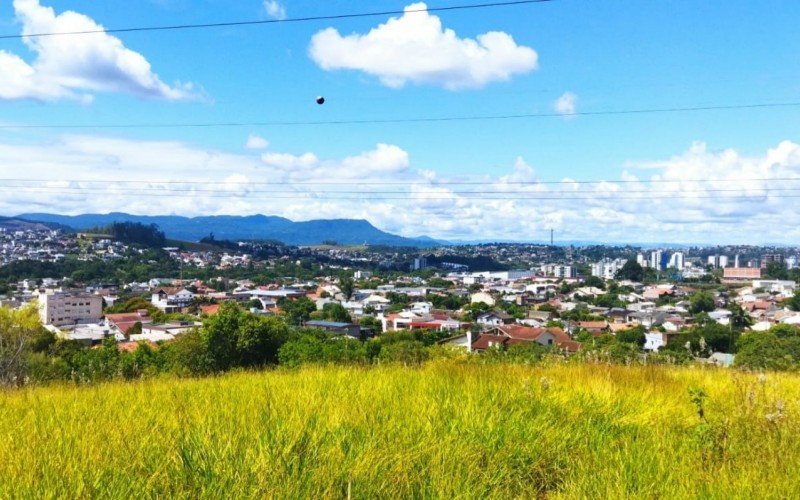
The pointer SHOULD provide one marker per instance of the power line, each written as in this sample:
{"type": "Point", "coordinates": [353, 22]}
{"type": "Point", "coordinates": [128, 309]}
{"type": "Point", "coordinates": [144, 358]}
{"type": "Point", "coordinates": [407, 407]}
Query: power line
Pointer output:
{"type": "Point", "coordinates": [432, 184]}
{"type": "Point", "coordinates": [723, 107]}
{"type": "Point", "coordinates": [438, 197]}
{"type": "Point", "coordinates": [421, 194]}
{"type": "Point", "coordinates": [329, 17]}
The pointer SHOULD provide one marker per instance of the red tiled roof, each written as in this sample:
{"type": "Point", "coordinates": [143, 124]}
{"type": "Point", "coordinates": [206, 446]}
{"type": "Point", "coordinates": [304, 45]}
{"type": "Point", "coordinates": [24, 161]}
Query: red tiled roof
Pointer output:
{"type": "Point", "coordinates": [126, 321]}
{"type": "Point", "coordinates": [210, 309]}
{"type": "Point", "coordinates": [593, 325]}
{"type": "Point", "coordinates": [525, 333]}
{"type": "Point", "coordinates": [485, 341]}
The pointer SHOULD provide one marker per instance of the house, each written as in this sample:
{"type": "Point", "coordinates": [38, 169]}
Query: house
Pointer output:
{"type": "Point", "coordinates": [594, 327]}
{"type": "Point", "coordinates": [494, 318]}
{"type": "Point", "coordinates": [171, 299]}
{"type": "Point", "coordinates": [508, 335]}
{"type": "Point", "coordinates": [122, 323]}
{"type": "Point", "coordinates": [619, 315]}
{"type": "Point", "coordinates": [408, 320]}
{"type": "Point", "coordinates": [464, 341]}
{"type": "Point", "coordinates": [161, 333]}
{"type": "Point", "coordinates": [654, 341]}
{"type": "Point", "coordinates": [482, 297]}
{"type": "Point", "coordinates": [347, 329]}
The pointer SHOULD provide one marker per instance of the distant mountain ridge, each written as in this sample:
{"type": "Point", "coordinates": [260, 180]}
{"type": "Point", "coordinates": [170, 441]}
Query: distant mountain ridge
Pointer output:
{"type": "Point", "coordinates": [18, 224]}
{"type": "Point", "coordinates": [253, 227]}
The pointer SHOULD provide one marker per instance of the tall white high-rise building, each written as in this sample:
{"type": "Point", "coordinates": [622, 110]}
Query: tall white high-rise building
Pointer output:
{"type": "Point", "coordinates": [719, 261]}
{"type": "Point", "coordinates": [657, 258]}
{"type": "Point", "coordinates": [677, 261]}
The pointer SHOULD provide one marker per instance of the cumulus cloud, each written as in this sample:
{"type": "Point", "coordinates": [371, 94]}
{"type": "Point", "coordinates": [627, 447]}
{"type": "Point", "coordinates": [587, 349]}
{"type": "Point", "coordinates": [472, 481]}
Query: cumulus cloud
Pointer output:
{"type": "Point", "coordinates": [256, 142]}
{"type": "Point", "coordinates": [275, 9]}
{"type": "Point", "coordinates": [566, 104]}
{"type": "Point", "coordinates": [385, 159]}
{"type": "Point", "coordinates": [415, 48]}
{"type": "Point", "coordinates": [73, 67]}
{"type": "Point", "coordinates": [698, 196]}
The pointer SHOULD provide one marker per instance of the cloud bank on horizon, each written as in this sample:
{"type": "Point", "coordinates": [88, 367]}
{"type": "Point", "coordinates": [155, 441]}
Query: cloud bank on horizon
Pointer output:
{"type": "Point", "coordinates": [697, 196]}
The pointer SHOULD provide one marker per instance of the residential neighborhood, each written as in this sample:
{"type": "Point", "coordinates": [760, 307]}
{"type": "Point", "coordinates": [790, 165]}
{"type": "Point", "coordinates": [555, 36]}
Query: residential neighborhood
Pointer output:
{"type": "Point", "coordinates": [558, 297]}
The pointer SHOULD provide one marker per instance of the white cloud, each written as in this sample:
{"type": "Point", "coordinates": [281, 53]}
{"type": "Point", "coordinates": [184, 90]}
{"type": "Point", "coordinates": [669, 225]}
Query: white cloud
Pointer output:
{"type": "Point", "coordinates": [73, 67]}
{"type": "Point", "coordinates": [256, 142]}
{"type": "Point", "coordinates": [416, 49]}
{"type": "Point", "coordinates": [275, 9]}
{"type": "Point", "coordinates": [566, 104]}
{"type": "Point", "coordinates": [710, 197]}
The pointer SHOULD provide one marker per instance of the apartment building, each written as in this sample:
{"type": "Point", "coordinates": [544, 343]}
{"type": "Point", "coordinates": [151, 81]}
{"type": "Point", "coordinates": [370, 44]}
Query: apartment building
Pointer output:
{"type": "Point", "coordinates": [67, 308]}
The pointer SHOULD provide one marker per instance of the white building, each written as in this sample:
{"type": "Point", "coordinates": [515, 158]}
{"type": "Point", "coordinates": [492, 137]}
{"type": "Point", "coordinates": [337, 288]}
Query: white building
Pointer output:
{"type": "Point", "coordinates": [718, 261]}
{"type": "Point", "coordinates": [783, 287]}
{"type": "Point", "coordinates": [171, 300]}
{"type": "Point", "coordinates": [677, 261]}
{"type": "Point", "coordinates": [655, 259]}
{"type": "Point", "coordinates": [362, 275]}
{"type": "Point", "coordinates": [64, 308]}
{"type": "Point", "coordinates": [607, 268]}
{"type": "Point", "coordinates": [565, 272]}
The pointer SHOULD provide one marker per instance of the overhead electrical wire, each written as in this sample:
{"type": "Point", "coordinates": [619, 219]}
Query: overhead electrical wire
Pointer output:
{"type": "Point", "coordinates": [366, 196]}
{"type": "Point", "coordinates": [432, 183]}
{"type": "Point", "coordinates": [328, 17]}
{"type": "Point", "coordinates": [234, 186]}
{"type": "Point", "coordinates": [722, 107]}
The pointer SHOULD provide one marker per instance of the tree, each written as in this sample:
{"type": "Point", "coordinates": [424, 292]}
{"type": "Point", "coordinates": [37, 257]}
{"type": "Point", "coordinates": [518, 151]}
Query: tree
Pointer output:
{"type": "Point", "coordinates": [136, 329]}
{"type": "Point", "coordinates": [18, 331]}
{"type": "Point", "coordinates": [739, 317]}
{"type": "Point", "coordinates": [234, 337]}
{"type": "Point", "coordinates": [297, 311]}
{"type": "Point", "coordinates": [776, 271]}
{"type": "Point", "coordinates": [347, 286]}
{"type": "Point", "coordinates": [596, 282]}
{"type": "Point", "coordinates": [701, 302]}
{"type": "Point", "coordinates": [793, 303]}
{"type": "Point", "coordinates": [766, 350]}
{"type": "Point", "coordinates": [335, 312]}
{"type": "Point", "coordinates": [371, 323]}
{"type": "Point", "coordinates": [635, 335]}
{"type": "Point", "coordinates": [631, 270]}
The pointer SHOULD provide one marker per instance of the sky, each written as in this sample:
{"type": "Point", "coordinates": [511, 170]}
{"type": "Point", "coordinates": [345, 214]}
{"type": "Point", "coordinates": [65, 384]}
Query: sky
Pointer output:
{"type": "Point", "coordinates": [708, 176]}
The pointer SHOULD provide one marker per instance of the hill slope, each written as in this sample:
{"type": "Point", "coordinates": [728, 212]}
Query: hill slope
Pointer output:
{"type": "Point", "coordinates": [445, 430]}
{"type": "Point", "coordinates": [254, 227]}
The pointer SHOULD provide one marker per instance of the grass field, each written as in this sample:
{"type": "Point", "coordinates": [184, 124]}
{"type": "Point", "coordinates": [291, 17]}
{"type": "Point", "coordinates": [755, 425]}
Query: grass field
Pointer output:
{"type": "Point", "coordinates": [443, 430]}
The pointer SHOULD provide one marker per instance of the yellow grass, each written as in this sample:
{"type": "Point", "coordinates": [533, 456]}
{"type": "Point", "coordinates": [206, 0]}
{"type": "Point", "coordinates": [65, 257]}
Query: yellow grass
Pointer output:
{"type": "Point", "coordinates": [444, 430]}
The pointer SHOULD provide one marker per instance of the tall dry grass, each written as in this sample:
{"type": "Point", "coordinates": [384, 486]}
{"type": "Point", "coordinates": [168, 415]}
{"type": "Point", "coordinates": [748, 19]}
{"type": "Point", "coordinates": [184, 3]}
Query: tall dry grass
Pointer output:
{"type": "Point", "coordinates": [447, 429]}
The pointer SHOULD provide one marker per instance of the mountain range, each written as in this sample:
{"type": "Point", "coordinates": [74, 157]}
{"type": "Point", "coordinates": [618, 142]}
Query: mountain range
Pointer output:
{"type": "Point", "coordinates": [228, 227]}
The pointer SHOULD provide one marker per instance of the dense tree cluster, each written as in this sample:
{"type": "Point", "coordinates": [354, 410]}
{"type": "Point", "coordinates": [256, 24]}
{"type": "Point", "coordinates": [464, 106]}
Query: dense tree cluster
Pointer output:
{"type": "Point", "coordinates": [136, 233]}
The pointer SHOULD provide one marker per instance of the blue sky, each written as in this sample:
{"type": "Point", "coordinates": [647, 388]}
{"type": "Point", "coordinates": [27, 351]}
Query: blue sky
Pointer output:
{"type": "Point", "coordinates": [609, 55]}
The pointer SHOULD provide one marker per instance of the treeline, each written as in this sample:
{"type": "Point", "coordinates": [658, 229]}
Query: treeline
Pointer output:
{"type": "Point", "coordinates": [236, 339]}
{"type": "Point", "coordinates": [139, 267]}
{"type": "Point", "coordinates": [231, 339]}
{"type": "Point", "coordinates": [136, 233]}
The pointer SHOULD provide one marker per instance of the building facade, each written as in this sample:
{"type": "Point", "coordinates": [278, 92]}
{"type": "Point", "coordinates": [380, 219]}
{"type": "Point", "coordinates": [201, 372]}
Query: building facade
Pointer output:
{"type": "Point", "coordinates": [64, 308]}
